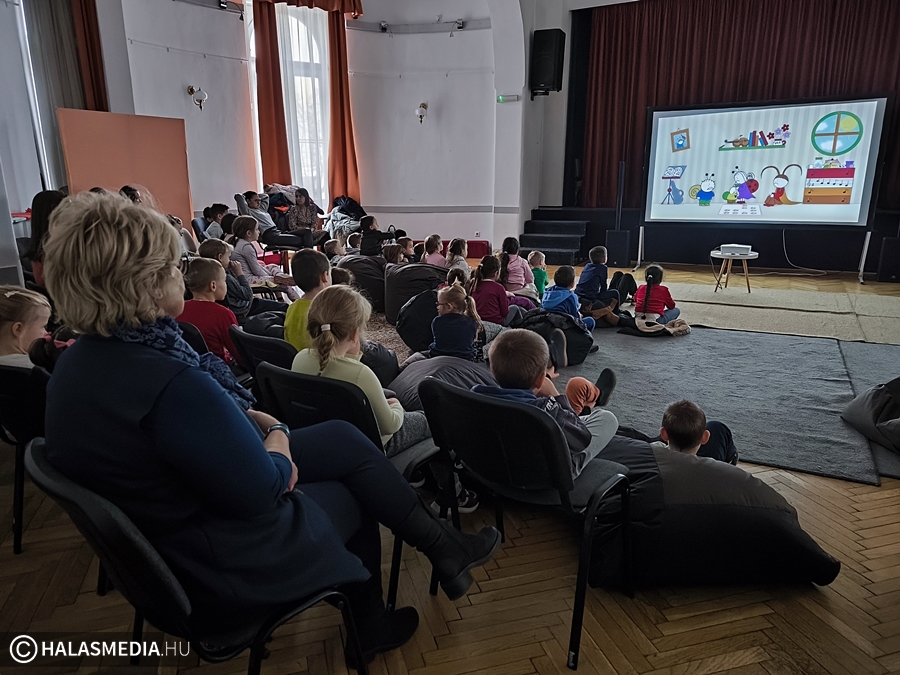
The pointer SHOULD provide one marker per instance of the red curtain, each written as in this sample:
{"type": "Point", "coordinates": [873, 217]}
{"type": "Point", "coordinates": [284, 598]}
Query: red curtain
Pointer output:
{"type": "Point", "coordinates": [343, 172]}
{"type": "Point", "coordinates": [343, 178]}
{"type": "Point", "coordinates": [695, 52]}
{"type": "Point", "coordinates": [90, 54]}
{"type": "Point", "coordinates": [273, 145]}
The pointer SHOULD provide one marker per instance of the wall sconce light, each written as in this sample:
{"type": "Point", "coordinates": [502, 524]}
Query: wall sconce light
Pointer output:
{"type": "Point", "coordinates": [420, 111]}
{"type": "Point", "coordinates": [198, 96]}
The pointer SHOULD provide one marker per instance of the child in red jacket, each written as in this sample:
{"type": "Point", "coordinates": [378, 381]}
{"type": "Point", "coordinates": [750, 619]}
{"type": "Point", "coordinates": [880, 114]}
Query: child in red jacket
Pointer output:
{"type": "Point", "coordinates": [654, 298]}
{"type": "Point", "coordinates": [206, 281]}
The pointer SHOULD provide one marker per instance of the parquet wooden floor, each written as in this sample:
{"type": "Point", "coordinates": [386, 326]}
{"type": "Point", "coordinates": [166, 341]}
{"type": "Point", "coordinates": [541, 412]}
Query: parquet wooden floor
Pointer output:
{"type": "Point", "coordinates": [516, 617]}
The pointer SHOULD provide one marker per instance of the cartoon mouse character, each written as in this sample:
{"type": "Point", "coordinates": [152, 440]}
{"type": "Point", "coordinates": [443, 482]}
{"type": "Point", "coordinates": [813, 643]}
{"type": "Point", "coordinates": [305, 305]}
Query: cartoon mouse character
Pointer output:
{"type": "Point", "coordinates": [780, 183]}
{"type": "Point", "coordinates": [746, 185]}
{"type": "Point", "coordinates": [705, 191]}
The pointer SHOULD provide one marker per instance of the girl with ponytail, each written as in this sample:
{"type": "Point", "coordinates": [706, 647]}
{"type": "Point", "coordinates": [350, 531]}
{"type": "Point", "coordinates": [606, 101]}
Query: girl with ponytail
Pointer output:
{"type": "Point", "coordinates": [495, 303]}
{"type": "Point", "coordinates": [337, 320]}
{"type": "Point", "coordinates": [654, 298]}
{"type": "Point", "coordinates": [457, 325]}
{"type": "Point", "coordinates": [515, 272]}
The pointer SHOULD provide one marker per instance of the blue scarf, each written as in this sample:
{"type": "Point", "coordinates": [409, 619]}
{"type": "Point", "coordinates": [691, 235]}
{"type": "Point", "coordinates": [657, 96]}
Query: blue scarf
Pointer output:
{"type": "Point", "coordinates": [165, 335]}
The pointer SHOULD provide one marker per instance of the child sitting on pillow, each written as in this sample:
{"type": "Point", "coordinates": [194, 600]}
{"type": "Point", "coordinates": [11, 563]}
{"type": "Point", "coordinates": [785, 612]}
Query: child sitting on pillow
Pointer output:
{"type": "Point", "coordinates": [685, 429]}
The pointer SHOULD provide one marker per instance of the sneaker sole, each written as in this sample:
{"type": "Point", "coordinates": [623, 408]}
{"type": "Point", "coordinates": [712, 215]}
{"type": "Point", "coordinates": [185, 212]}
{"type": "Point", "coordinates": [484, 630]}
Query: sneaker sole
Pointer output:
{"type": "Point", "coordinates": [459, 585]}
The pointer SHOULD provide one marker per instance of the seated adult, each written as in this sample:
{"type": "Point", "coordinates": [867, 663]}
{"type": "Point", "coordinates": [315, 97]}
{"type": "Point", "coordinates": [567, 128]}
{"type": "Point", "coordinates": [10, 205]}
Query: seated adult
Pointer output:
{"type": "Point", "coordinates": [134, 414]}
{"type": "Point", "coordinates": [257, 205]}
{"type": "Point", "coordinates": [304, 221]}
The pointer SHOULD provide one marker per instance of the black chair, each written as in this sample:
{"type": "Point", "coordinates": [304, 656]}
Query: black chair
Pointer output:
{"type": "Point", "coordinates": [303, 400]}
{"type": "Point", "coordinates": [199, 226]}
{"type": "Point", "coordinates": [144, 578]}
{"type": "Point", "coordinates": [23, 399]}
{"type": "Point", "coordinates": [193, 337]}
{"type": "Point", "coordinates": [256, 349]}
{"type": "Point", "coordinates": [519, 452]}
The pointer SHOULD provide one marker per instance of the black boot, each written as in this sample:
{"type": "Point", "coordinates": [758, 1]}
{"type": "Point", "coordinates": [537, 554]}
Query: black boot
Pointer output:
{"type": "Point", "coordinates": [379, 630]}
{"type": "Point", "coordinates": [557, 347]}
{"type": "Point", "coordinates": [606, 383]}
{"type": "Point", "coordinates": [452, 553]}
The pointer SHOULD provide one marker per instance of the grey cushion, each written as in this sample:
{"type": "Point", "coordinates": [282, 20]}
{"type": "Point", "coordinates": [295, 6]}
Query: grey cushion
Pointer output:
{"type": "Point", "coordinates": [449, 369]}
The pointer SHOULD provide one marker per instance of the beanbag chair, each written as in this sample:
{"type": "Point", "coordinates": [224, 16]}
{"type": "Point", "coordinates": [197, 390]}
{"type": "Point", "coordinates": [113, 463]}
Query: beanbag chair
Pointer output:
{"type": "Point", "coordinates": [876, 414]}
{"type": "Point", "coordinates": [267, 324]}
{"type": "Point", "coordinates": [697, 521]}
{"type": "Point", "coordinates": [368, 272]}
{"type": "Point", "coordinates": [381, 360]}
{"type": "Point", "coordinates": [402, 282]}
{"type": "Point", "coordinates": [414, 320]}
{"type": "Point", "coordinates": [578, 339]}
{"type": "Point", "coordinates": [449, 369]}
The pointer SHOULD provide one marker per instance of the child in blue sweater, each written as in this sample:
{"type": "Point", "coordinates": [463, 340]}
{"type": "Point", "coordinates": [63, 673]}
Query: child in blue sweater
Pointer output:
{"type": "Point", "coordinates": [561, 298]}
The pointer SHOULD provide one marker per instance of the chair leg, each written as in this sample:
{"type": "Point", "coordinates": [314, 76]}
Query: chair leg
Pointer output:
{"type": "Point", "coordinates": [257, 654]}
{"type": "Point", "coordinates": [18, 499]}
{"type": "Point", "coordinates": [103, 582]}
{"type": "Point", "coordinates": [137, 633]}
{"type": "Point", "coordinates": [352, 636]}
{"type": "Point", "coordinates": [584, 566]}
{"type": "Point", "coordinates": [395, 574]}
{"type": "Point", "coordinates": [433, 586]}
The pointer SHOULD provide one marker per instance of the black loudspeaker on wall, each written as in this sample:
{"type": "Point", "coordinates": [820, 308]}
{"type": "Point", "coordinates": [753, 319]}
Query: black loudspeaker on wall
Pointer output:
{"type": "Point", "coordinates": [889, 261]}
{"type": "Point", "coordinates": [618, 241]}
{"type": "Point", "coordinates": [547, 55]}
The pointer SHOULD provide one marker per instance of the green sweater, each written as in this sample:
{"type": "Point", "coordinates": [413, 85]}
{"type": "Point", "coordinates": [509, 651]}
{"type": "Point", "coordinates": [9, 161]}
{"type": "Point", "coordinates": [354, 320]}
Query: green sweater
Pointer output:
{"type": "Point", "coordinates": [540, 279]}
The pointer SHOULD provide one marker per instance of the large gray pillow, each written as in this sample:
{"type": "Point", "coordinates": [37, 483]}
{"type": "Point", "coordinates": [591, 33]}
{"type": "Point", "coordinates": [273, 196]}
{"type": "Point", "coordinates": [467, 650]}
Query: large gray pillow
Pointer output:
{"type": "Point", "coordinates": [449, 369]}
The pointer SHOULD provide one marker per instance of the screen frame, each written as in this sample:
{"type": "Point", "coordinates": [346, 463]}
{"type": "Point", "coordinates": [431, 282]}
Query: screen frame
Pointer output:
{"type": "Point", "coordinates": [876, 184]}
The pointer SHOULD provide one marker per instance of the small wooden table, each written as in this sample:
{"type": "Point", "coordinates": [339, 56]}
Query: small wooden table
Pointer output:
{"type": "Point", "coordinates": [727, 261]}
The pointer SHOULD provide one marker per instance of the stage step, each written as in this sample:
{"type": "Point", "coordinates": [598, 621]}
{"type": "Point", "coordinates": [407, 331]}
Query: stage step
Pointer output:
{"type": "Point", "coordinates": [576, 227]}
{"type": "Point", "coordinates": [553, 256]}
{"type": "Point", "coordinates": [552, 241]}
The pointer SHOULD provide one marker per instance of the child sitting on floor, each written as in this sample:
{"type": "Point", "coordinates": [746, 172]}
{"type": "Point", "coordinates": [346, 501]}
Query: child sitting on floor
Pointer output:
{"type": "Point", "coordinates": [515, 274]}
{"type": "Point", "coordinates": [456, 257]}
{"type": "Point", "coordinates": [685, 429]}
{"type": "Point", "coordinates": [538, 263]}
{"type": "Point", "coordinates": [456, 327]}
{"type": "Point", "coordinates": [23, 319]}
{"type": "Point", "coordinates": [408, 248]}
{"type": "Point", "coordinates": [654, 299]}
{"type": "Point", "coordinates": [495, 303]}
{"type": "Point", "coordinates": [353, 242]}
{"type": "Point", "coordinates": [334, 251]}
{"type": "Point", "coordinates": [433, 248]}
{"type": "Point", "coordinates": [312, 274]}
{"type": "Point", "coordinates": [519, 360]}
{"type": "Point", "coordinates": [561, 298]}
{"type": "Point", "coordinates": [206, 281]}
{"type": "Point", "coordinates": [592, 285]}
{"type": "Point", "coordinates": [240, 298]}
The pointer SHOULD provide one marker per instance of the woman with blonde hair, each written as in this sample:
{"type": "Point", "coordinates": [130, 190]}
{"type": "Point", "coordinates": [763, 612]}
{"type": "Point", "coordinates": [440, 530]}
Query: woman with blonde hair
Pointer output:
{"type": "Point", "coordinates": [136, 415]}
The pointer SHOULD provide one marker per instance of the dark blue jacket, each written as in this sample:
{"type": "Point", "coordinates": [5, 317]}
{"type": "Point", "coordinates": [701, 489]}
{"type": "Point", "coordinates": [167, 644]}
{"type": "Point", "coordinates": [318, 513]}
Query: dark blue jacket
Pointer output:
{"type": "Point", "coordinates": [454, 335]}
{"type": "Point", "coordinates": [165, 443]}
{"type": "Point", "coordinates": [592, 281]}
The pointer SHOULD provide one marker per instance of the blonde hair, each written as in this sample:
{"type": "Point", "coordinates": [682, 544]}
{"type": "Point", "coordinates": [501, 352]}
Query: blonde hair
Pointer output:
{"type": "Point", "coordinates": [536, 258]}
{"type": "Point", "coordinates": [18, 305]}
{"type": "Point", "coordinates": [461, 302]}
{"type": "Point", "coordinates": [213, 248]}
{"type": "Point", "coordinates": [334, 315]}
{"type": "Point", "coordinates": [108, 262]}
{"type": "Point", "coordinates": [202, 272]}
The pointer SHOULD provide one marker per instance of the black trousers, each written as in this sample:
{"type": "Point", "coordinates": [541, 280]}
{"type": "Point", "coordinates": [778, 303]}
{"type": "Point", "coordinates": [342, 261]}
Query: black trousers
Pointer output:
{"type": "Point", "coordinates": [274, 237]}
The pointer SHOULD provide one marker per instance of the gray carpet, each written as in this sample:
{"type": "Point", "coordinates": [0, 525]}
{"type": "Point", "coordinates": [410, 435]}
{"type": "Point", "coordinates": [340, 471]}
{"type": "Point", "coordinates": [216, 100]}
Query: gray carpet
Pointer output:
{"type": "Point", "coordinates": [781, 395]}
{"type": "Point", "coordinates": [868, 365]}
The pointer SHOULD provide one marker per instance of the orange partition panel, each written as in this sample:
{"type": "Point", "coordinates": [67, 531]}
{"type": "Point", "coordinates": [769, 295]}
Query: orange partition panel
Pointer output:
{"type": "Point", "coordinates": [110, 150]}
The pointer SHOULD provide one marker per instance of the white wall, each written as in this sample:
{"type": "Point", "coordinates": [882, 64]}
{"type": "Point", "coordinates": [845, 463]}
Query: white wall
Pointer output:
{"type": "Point", "coordinates": [17, 151]}
{"type": "Point", "coordinates": [168, 46]}
{"type": "Point", "coordinates": [438, 175]}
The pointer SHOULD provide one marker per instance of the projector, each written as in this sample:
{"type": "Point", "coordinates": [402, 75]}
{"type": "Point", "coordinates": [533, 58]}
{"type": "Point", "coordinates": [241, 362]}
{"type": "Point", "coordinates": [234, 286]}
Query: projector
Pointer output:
{"type": "Point", "coordinates": [736, 249]}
